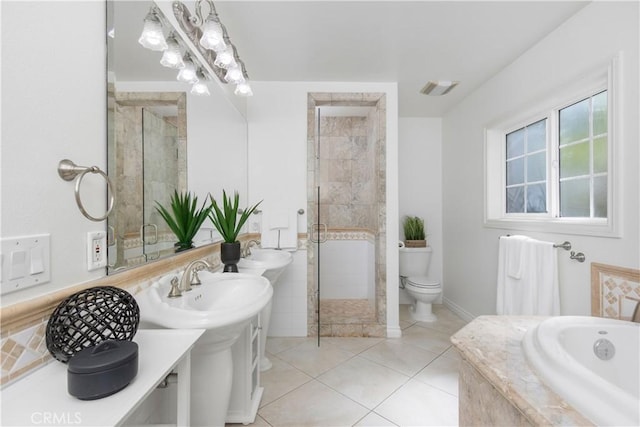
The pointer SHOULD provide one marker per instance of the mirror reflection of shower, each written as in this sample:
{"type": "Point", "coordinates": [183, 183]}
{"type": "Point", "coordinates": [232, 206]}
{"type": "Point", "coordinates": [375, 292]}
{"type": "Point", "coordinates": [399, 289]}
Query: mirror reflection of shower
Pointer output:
{"type": "Point", "coordinates": [348, 164]}
{"type": "Point", "coordinates": [148, 160]}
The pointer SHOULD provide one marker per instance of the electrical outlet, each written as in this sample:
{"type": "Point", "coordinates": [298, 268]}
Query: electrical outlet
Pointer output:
{"type": "Point", "coordinates": [96, 250]}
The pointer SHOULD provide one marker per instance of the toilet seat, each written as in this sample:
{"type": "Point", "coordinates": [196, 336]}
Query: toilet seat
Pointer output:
{"type": "Point", "coordinates": [422, 282]}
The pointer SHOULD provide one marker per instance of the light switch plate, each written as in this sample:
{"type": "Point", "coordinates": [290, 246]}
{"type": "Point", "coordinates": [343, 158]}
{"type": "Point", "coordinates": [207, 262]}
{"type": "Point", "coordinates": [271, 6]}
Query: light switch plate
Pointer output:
{"type": "Point", "coordinates": [25, 262]}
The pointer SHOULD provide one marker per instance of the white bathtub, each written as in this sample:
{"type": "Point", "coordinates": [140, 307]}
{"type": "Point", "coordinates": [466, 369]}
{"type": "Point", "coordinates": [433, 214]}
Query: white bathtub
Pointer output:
{"type": "Point", "coordinates": [561, 350]}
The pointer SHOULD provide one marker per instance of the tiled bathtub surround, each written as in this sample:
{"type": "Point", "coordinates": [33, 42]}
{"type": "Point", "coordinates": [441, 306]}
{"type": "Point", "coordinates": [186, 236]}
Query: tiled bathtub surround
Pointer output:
{"type": "Point", "coordinates": [615, 291]}
{"type": "Point", "coordinates": [346, 159]}
{"type": "Point", "coordinates": [497, 386]}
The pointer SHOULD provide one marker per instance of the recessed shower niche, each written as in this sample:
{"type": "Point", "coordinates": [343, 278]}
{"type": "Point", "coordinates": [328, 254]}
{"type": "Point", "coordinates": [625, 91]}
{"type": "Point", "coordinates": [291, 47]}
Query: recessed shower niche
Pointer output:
{"type": "Point", "coordinates": [346, 285]}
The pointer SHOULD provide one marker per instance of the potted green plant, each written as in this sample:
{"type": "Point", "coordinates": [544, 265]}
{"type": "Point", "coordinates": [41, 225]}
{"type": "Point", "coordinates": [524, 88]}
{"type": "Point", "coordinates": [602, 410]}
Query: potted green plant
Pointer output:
{"type": "Point", "coordinates": [184, 218]}
{"type": "Point", "coordinates": [229, 221]}
{"type": "Point", "coordinates": [414, 235]}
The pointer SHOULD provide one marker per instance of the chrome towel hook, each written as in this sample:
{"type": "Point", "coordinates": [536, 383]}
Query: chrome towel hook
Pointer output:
{"type": "Point", "coordinates": [69, 171]}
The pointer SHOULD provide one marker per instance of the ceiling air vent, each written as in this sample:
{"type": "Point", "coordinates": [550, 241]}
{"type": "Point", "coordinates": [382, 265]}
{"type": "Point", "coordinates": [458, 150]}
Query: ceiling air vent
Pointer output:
{"type": "Point", "coordinates": [441, 87]}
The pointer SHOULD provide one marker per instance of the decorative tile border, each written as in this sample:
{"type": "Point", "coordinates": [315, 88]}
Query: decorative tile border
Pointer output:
{"type": "Point", "coordinates": [23, 325]}
{"type": "Point", "coordinates": [615, 291]}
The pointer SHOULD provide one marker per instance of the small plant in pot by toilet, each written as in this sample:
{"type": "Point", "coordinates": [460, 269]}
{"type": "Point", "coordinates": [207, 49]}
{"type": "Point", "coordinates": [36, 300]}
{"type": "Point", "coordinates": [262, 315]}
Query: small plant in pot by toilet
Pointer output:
{"type": "Point", "coordinates": [414, 235]}
{"type": "Point", "coordinates": [228, 224]}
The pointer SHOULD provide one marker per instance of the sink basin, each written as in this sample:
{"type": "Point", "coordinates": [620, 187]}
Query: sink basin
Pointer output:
{"type": "Point", "coordinates": [223, 300]}
{"type": "Point", "coordinates": [223, 304]}
{"type": "Point", "coordinates": [272, 261]}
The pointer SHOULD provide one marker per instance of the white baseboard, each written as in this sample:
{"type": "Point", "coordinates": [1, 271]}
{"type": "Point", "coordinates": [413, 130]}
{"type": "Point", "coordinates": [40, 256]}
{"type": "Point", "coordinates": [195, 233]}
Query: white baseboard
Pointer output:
{"type": "Point", "coordinates": [394, 332]}
{"type": "Point", "coordinates": [464, 314]}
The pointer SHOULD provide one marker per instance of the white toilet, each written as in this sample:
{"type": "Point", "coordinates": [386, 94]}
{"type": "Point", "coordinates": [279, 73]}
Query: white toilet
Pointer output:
{"type": "Point", "coordinates": [414, 266]}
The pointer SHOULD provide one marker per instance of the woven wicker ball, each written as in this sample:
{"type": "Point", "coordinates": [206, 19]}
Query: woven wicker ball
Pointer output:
{"type": "Point", "coordinates": [89, 317]}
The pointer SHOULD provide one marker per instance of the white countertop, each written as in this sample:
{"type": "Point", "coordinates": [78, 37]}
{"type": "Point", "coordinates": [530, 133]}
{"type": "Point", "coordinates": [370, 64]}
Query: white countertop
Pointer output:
{"type": "Point", "coordinates": [41, 398]}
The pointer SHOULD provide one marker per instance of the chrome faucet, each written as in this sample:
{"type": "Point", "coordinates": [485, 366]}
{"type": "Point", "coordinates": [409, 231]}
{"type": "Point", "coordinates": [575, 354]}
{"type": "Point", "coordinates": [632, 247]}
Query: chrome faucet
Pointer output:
{"type": "Point", "coordinates": [190, 275]}
{"type": "Point", "coordinates": [246, 250]}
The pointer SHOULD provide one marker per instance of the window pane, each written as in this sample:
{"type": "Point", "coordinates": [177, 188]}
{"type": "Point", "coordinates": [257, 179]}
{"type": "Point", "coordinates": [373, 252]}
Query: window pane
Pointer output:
{"type": "Point", "coordinates": [515, 200]}
{"type": "Point", "coordinates": [574, 160]}
{"type": "Point", "coordinates": [600, 155]}
{"type": "Point", "coordinates": [515, 144]}
{"type": "Point", "coordinates": [515, 171]}
{"type": "Point", "coordinates": [537, 198]}
{"type": "Point", "coordinates": [536, 167]}
{"type": "Point", "coordinates": [574, 198]}
{"type": "Point", "coordinates": [600, 113]}
{"type": "Point", "coordinates": [600, 197]}
{"type": "Point", "coordinates": [574, 122]}
{"type": "Point", "coordinates": [537, 136]}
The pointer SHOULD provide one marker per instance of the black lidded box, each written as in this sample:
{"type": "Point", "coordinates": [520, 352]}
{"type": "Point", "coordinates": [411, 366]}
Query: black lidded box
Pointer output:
{"type": "Point", "coordinates": [101, 370]}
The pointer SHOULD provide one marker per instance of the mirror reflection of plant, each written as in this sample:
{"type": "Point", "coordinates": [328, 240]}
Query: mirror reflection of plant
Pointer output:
{"type": "Point", "coordinates": [184, 218]}
{"type": "Point", "coordinates": [226, 219]}
{"type": "Point", "coordinates": [414, 228]}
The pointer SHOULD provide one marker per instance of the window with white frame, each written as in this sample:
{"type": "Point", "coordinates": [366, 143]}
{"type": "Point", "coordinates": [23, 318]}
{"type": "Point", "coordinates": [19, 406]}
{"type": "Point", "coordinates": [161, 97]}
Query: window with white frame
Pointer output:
{"type": "Point", "coordinates": [552, 168]}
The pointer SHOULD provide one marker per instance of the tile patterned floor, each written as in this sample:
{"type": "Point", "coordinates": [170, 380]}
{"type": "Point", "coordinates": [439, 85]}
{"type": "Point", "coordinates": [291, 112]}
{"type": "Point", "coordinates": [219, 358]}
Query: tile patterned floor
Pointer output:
{"type": "Point", "coordinates": [408, 381]}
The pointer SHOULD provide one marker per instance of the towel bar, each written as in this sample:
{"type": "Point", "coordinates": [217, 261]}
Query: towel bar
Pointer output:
{"type": "Point", "coordinates": [566, 245]}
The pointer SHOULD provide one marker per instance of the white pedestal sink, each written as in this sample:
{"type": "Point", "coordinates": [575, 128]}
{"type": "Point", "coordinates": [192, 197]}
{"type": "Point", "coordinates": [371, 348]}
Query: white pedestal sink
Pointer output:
{"type": "Point", "coordinates": [223, 305]}
{"type": "Point", "coordinates": [270, 263]}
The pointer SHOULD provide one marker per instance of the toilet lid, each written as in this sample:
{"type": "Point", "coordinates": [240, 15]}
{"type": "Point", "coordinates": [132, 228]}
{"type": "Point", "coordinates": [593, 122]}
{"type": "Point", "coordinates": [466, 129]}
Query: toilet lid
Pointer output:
{"type": "Point", "coordinates": [422, 282]}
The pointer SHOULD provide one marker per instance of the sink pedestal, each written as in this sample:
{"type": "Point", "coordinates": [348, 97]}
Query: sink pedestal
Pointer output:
{"type": "Point", "coordinates": [211, 379]}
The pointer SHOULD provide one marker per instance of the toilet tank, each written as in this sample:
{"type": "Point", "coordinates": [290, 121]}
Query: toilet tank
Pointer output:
{"type": "Point", "coordinates": [414, 261]}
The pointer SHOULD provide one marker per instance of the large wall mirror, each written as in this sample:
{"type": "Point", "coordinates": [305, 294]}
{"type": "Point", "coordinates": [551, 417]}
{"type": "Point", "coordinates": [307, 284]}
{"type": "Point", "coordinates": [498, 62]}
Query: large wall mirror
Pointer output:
{"type": "Point", "coordinates": [161, 138]}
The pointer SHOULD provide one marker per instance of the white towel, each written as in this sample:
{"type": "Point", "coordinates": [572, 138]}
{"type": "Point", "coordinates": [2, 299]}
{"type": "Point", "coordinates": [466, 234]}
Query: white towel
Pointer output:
{"type": "Point", "coordinates": [534, 291]}
{"type": "Point", "coordinates": [279, 229]}
{"type": "Point", "coordinates": [515, 255]}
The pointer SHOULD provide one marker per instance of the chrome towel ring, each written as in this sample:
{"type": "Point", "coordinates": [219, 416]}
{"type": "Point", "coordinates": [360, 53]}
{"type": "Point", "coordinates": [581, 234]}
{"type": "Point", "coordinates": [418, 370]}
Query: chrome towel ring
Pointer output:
{"type": "Point", "coordinates": [69, 171]}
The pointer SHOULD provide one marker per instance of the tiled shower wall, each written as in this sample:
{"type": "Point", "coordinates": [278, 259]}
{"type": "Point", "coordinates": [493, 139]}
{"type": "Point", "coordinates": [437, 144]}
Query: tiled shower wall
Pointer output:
{"type": "Point", "coordinates": [347, 173]}
{"type": "Point", "coordinates": [353, 191]}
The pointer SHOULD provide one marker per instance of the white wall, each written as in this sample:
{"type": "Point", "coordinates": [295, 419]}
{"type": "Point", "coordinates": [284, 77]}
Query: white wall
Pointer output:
{"type": "Point", "coordinates": [289, 310]}
{"type": "Point", "coordinates": [277, 117]}
{"type": "Point", "coordinates": [53, 108]}
{"type": "Point", "coordinates": [589, 39]}
{"type": "Point", "coordinates": [420, 183]}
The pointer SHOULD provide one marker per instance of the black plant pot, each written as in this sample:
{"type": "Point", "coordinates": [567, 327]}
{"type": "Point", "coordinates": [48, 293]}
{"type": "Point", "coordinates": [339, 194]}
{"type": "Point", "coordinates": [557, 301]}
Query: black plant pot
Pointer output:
{"type": "Point", "coordinates": [230, 255]}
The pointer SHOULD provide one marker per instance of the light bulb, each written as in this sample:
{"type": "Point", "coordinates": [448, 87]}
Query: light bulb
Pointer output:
{"type": "Point", "coordinates": [200, 87]}
{"type": "Point", "coordinates": [187, 74]}
{"type": "Point", "coordinates": [172, 57]}
{"type": "Point", "coordinates": [243, 89]}
{"type": "Point", "coordinates": [152, 36]}
{"type": "Point", "coordinates": [224, 58]}
{"type": "Point", "coordinates": [234, 75]}
{"type": "Point", "coordinates": [212, 34]}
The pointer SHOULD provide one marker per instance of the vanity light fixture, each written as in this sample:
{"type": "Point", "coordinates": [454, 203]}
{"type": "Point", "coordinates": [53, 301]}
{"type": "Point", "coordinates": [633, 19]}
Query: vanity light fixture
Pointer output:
{"type": "Point", "coordinates": [152, 36]}
{"type": "Point", "coordinates": [212, 39]}
{"type": "Point", "coordinates": [188, 73]}
{"type": "Point", "coordinates": [172, 56]}
{"type": "Point", "coordinates": [200, 87]}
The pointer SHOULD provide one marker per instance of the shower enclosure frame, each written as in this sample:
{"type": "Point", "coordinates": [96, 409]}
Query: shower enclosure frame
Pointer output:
{"type": "Point", "coordinates": [317, 325]}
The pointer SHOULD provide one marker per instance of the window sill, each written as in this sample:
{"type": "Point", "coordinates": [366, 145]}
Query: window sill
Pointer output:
{"type": "Point", "coordinates": [598, 228]}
